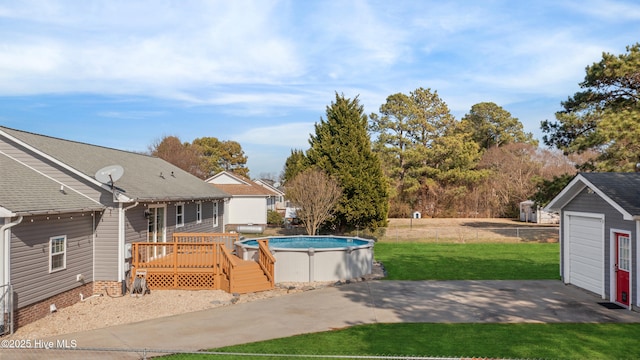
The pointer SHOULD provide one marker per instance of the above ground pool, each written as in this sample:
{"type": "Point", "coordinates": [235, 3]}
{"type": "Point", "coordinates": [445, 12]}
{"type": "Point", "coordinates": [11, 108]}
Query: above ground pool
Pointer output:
{"type": "Point", "coordinates": [314, 258]}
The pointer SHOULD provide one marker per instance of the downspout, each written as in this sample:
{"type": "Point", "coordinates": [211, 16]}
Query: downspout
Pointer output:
{"type": "Point", "coordinates": [122, 240]}
{"type": "Point", "coordinates": [6, 245]}
{"type": "Point", "coordinates": [7, 248]}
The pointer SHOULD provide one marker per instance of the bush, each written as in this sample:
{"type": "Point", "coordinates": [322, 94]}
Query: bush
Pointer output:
{"type": "Point", "coordinates": [274, 218]}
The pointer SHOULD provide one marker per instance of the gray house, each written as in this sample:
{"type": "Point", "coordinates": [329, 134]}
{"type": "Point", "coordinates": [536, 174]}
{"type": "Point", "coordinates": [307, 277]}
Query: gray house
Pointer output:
{"type": "Point", "coordinates": [65, 230]}
{"type": "Point", "coordinates": [599, 230]}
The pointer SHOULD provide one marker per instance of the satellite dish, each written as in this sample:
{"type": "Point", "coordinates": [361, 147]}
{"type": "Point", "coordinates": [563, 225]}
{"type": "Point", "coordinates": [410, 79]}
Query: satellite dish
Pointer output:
{"type": "Point", "coordinates": [109, 174]}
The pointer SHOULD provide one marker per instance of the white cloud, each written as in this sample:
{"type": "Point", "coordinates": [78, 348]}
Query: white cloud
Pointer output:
{"type": "Point", "coordinates": [214, 43]}
{"type": "Point", "coordinates": [130, 115]}
{"type": "Point", "coordinates": [290, 135]}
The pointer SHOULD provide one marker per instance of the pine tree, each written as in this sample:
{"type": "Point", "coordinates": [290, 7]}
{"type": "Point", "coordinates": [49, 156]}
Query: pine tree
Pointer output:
{"type": "Point", "coordinates": [342, 148]}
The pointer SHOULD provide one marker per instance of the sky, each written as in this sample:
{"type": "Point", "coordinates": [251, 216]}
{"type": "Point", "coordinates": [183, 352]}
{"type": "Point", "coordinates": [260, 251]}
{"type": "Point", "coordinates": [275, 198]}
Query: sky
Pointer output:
{"type": "Point", "coordinates": [125, 74]}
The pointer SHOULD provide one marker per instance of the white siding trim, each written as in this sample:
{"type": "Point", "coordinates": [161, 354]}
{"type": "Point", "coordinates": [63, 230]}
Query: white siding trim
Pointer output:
{"type": "Point", "coordinates": [633, 271]}
{"type": "Point", "coordinates": [63, 253]}
{"type": "Point", "coordinates": [567, 251]}
{"type": "Point", "coordinates": [579, 182]}
{"type": "Point", "coordinates": [612, 267]}
{"type": "Point", "coordinates": [121, 240]}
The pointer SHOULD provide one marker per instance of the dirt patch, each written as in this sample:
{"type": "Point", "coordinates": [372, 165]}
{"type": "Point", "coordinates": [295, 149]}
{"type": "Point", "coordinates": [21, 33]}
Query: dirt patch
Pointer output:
{"type": "Point", "coordinates": [105, 311]}
{"type": "Point", "coordinates": [466, 230]}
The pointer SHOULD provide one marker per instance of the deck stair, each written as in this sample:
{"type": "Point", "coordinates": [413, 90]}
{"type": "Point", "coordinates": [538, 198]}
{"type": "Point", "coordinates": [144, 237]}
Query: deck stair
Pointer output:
{"type": "Point", "coordinates": [248, 277]}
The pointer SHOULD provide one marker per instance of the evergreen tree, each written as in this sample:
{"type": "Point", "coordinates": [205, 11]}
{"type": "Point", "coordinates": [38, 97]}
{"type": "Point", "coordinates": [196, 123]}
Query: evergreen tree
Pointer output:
{"type": "Point", "coordinates": [491, 125]}
{"type": "Point", "coordinates": [295, 164]}
{"type": "Point", "coordinates": [605, 116]}
{"type": "Point", "coordinates": [342, 148]}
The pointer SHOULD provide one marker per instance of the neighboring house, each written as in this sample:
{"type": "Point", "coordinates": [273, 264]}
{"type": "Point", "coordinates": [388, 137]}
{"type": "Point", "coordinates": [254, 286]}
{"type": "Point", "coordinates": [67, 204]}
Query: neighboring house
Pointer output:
{"type": "Point", "coordinates": [64, 232]}
{"type": "Point", "coordinates": [599, 230]}
{"type": "Point", "coordinates": [276, 202]}
{"type": "Point", "coordinates": [246, 210]}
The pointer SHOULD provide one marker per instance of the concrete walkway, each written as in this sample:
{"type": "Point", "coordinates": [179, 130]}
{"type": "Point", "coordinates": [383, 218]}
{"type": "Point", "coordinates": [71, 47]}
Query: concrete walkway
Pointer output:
{"type": "Point", "coordinates": [358, 303]}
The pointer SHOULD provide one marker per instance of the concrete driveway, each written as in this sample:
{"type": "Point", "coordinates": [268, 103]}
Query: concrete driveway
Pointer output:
{"type": "Point", "coordinates": [545, 301]}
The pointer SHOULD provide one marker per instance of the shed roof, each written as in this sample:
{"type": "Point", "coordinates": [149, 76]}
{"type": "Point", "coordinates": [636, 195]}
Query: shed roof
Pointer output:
{"type": "Point", "coordinates": [620, 190]}
{"type": "Point", "coordinates": [146, 178]}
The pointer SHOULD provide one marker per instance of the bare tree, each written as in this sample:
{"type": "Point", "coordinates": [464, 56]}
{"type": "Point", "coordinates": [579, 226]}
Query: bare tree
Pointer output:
{"type": "Point", "coordinates": [183, 155]}
{"type": "Point", "coordinates": [314, 195]}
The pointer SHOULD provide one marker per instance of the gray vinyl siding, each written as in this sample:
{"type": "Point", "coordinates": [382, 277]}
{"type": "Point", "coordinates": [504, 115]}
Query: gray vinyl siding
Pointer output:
{"type": "Point", "coordinates": [30, 251]}
{"type": "Point", "coordinates": [593, 203]}
{"type": "Point", "coordinates": [106, 247]}
{"type": "Point", "coordinates": [136, 225]}
{"type": "Point", "coordinates": [190, 223]}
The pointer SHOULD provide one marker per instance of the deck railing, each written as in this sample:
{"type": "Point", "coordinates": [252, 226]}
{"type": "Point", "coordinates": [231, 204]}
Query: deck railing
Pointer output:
{"type": "Point", "coordinates": [169, 265]}
{"type": "Point", "coordinates": [228, 239]}
{"type": "Point", "coordinates": [195, 261]}
{"type": "Point", "coordinates": [266, 260]}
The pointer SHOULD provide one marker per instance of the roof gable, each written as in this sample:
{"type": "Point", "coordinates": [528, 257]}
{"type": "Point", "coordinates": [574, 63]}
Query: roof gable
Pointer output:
{"type": "Point", "coordinates": [145, 178]}
{"type": "Point", "coordinates": [269, 185]}
{"type": "Point", "coordinates": [620, 190]}
{"type": "Point", "coordinates": [25, 191]}
{"type": "Point", "coordinates": [238, 185]}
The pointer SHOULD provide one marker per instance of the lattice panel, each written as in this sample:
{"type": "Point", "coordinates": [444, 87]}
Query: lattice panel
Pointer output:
{"type": "Point", "coordinates": [196, 281]}
{"type": "Point", "coordinates": [159, 281]}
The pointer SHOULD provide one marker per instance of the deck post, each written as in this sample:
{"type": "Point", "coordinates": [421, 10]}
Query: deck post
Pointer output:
{"type": "Point", "coordinates": [216, 267]}
{"type": "Point", "coordinates": [175, 264]}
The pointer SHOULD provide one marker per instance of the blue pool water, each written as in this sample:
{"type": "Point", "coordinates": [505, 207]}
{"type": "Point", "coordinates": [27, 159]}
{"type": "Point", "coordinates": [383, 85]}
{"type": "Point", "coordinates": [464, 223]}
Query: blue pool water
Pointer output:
{"type": "Point", "coordinates": [305, 242]}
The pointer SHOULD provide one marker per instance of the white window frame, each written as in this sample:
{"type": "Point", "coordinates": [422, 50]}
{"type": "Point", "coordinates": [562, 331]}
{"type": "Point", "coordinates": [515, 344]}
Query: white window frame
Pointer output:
{"type": "Point", "coordinates": [62, 253]}
{"type": "Point", "coordinates": [179, 215]}
{"type": "Point", "coordinates": [198, 212]}
{"type": "Point", "coordinates": [215, 213]}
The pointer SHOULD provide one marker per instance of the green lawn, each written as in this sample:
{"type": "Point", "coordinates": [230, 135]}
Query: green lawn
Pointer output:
{"type": "Point", "coordinates": [478, 261]}
{"type": "Point", "coordinates": [539, 341]}
{"type": "Point", "coordinates": [486, 261]}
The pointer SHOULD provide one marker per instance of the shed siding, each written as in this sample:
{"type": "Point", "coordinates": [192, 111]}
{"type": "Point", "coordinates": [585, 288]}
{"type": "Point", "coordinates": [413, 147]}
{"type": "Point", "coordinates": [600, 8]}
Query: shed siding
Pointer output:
{"type": "Point", "coordinates": [592, 203]}
{"type": "Point", "coordinates": [30, 275]}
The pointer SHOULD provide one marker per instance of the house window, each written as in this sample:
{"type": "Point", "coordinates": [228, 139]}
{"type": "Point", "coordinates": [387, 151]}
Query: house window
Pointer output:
{"type": "Point", "coordinates": [179, 215]}
{"type": "Point", "coordinates": [215, 214]}
{"type": "Point", "coordinates": [57, 253]}
{"type": "Point", "coordinates": [198, 212]}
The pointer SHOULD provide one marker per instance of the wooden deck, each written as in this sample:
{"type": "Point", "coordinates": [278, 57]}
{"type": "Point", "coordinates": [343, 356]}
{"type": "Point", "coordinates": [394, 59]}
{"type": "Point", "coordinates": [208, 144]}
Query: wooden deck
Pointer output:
{"type": "Point", "coordinates": [200, 261]}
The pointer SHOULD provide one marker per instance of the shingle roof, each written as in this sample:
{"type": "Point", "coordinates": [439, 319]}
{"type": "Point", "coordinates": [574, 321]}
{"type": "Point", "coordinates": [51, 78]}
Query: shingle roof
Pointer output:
{"type": "Point", "coordinates": [145, 178]}
{"type": "Point", "coordinates": [242, 186]}
{"type": "Point", "coordinates": [621, 190]}
{"type": "Point", "coordinates": [25, 191]}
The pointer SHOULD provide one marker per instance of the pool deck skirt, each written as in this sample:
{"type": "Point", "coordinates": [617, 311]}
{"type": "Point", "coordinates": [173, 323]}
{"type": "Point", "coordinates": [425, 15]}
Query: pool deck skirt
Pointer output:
{"type": "Point", "coordinates": [376, 301]}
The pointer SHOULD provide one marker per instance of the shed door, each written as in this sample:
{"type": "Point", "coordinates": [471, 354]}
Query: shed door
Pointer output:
{"type": "Point", "coordinates": [584, 261]}
{"type": "Point", "coordinates": [622, 267]}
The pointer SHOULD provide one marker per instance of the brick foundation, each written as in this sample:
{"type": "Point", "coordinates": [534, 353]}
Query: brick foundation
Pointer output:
{"type": "Point", "coordinates": [33, 312]}
{"type": "Point", "coordinates": [113, 288]}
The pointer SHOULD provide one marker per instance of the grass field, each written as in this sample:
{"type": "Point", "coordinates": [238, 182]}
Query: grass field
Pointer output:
{"type": "Point", "coordinates": [487, 261]}
{"type": "Point", "coordinates": [427, 260]}
{"type": "Point", "coordinates": [514, 341]}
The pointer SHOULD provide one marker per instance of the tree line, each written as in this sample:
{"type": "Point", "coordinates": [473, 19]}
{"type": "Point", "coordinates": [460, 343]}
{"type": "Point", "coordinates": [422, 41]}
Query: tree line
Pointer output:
{"type": "Point", "coordinates": [484, 164]}
{"type": "Point", "coordinates": [203, 157]}
{"type": "Point", "coordinates": [414, 155]}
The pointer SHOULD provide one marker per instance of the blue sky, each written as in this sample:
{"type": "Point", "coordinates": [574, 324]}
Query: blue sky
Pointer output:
{"type": "Point", "coordinates": [124, 74]}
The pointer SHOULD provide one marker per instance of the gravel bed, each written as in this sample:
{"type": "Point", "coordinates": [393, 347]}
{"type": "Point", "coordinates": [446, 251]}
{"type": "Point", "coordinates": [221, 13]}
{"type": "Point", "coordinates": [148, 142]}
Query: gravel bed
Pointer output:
{"type": "Point", "coordinates": [104, 311]}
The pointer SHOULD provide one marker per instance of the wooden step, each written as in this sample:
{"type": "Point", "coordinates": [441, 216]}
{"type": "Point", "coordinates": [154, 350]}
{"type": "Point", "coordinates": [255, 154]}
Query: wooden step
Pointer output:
{"type": "Point", "coordinates": [249, 277]}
